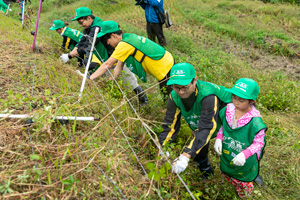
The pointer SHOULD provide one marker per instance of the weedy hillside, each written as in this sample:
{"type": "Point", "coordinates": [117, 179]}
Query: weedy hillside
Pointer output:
{"type": "Point", "coordinates": [117, 156]}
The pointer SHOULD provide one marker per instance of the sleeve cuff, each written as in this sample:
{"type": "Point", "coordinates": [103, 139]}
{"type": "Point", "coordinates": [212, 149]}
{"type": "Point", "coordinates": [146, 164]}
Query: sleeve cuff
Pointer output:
{"type": "Point", "coordinates": [247, 153]}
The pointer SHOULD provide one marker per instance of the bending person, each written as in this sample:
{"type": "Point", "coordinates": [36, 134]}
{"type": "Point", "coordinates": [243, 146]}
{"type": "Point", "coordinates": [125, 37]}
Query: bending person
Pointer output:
{"type": "Point", "coordinates": [101, 52]}
{"type": "Point", "coordinates": [199, 103]}
{"type": "Point", "coordinates": [71, 37]}
{"type": "Point", "coordinates": [139, 53]}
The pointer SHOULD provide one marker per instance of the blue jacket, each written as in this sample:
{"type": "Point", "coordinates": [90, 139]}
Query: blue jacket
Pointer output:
{"type": "Point", "coordinates": [150, 13]}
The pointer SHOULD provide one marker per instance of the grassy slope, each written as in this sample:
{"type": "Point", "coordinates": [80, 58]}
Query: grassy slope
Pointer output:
{"type": "Point", "coordinates": [223, 39]}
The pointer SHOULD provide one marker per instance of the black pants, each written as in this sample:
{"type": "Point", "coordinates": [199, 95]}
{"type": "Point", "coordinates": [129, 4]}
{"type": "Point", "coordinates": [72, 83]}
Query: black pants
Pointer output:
{"type": "Point", "coordinates": [202, 154]}
{"type": "Point", "coordinates": [155, 30]}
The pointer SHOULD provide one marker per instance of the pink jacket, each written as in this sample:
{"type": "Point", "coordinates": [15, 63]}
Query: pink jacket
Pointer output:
{"type": "Point", "coordinates": [258, 141]}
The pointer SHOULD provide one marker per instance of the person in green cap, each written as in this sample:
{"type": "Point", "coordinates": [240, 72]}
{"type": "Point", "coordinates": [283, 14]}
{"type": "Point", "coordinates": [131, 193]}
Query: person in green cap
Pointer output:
{"type": "Point", "coordinates": [4, 7]}
{"type": "Point", "coordinates": [241, 139]}
{"type": "Point", "coordinates": [102, 50]}
{"type": "Point", "coordinates": [199, 103]}
{"type": "Point", "coordinates": [70, 37]}
{"type": "Point", "coordinates": [89, 22]}
{"type": "Point", "coordinates": [139, 53]}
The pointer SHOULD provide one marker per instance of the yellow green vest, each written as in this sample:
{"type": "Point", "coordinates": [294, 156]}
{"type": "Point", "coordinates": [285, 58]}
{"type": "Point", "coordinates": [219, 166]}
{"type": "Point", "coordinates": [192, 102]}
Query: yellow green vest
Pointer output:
{"type": "Point", "coordinates": [235, 141]}
{"type": "Point", "coordinates": [204, 89]}
{"type": "Point", "coordinates": [147, 47]}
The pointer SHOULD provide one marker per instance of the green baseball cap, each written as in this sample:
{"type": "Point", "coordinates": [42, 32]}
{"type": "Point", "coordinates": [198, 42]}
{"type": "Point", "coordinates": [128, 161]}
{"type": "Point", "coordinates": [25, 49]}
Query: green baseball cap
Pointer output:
{"type": "Point", "coordinates": [245, 88]}
{"type": "Point", "coordinates": [57, 24]}
{"type": "Point", "coordinates": [182, 74]}
{"type": "Point", "coordinates": [108, 27]}
{"type": "Point", "coordinates": [82, 12]}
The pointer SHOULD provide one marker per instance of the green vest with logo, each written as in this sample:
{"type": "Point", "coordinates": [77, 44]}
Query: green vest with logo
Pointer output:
{"type": "Point", "coordinates": [147, 47]}
{"type": "Point", "coordinates": [204, 89]}
{"type": "Point", "coordinates": [235, 141]}
{"type": "Point", "coordinates": [73, 34]}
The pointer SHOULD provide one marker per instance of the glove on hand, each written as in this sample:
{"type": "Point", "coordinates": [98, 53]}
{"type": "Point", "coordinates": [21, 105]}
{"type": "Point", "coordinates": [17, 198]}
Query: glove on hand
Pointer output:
{"type": "Point", "coordinates": [10, 10]}
{"type": "Point", "coordinates": [239, 160]}
{"type": "Point", "coordinates": [64, 58]}
{"type": "Point", "coordinates": [180, 164]}
{"type": "Point", "coordinates": [218, 146]}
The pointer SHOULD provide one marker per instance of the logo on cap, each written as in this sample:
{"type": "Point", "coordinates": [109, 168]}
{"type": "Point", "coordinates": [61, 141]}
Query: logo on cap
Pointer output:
{"type": "Point", "coordinates": [179, 72]}
{"type": "Point", "coordinates": [242, 86]}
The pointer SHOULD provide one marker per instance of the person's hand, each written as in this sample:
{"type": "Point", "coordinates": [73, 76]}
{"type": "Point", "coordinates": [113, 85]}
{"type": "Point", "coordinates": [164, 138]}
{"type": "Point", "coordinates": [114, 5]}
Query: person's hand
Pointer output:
{"type": "Point", "coordinates": [9, 9]}
{"type": "Point", "coordinates": [180, 164]}
{"type": "Point", "coordinates": [64, 57]}
{"type": "Point", "coordinates": [239, 160]}
{"type": "Point", "coordinates": [218, 146]}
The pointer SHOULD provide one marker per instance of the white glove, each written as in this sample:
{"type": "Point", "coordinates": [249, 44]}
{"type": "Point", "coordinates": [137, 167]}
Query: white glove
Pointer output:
{"type": "Point", "coordinates": [180, 164]}
{"type": "Point", "coordinates": [64, 58]}
{"type": "Point", "coordinates": [239, 160]}
{"type": "Point", "coordinates": [9, 9]}
{"type": "Point", "coordinates": [218, 146]}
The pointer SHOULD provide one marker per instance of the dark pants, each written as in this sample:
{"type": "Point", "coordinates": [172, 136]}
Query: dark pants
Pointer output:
{"type": "Point", "coordinates": [202, 155]}
{"type": "Point", "coordinates": [155, 30]}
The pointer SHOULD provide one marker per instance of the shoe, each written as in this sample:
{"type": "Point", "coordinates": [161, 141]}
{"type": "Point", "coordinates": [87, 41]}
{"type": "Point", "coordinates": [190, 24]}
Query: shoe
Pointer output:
{"type": "Point", "coordinates": [259, 180]}
{"type": "Point", "coordinates": [142, 96]}
{"type": "Point", "coordinates": [205, 168]}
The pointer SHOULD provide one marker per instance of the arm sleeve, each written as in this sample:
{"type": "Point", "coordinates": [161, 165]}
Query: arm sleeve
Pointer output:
{"type": "Point", "coordinates": [255, 147]}
{"type": "Point", "coordinates": [83, 43]}
{"type": "Point", "coordinates": [92, 31]}
{"type": "Point", "coordinates": [122, 51]}
{"type": "Point", "coordinates": [171, 123]}
{"type": "Point", "coordinates": [220, 133]}
{"type": "Point", "coordinates": [207, 125]}
{"type": "Point", "coordinates": [64, 43]}
{"type": "Point", "coordinates": [85, 39]}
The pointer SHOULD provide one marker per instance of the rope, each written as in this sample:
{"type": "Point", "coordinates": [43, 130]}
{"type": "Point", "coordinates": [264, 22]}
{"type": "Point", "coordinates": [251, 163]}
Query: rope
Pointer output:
{"type": "Point", "coordinates": [146, 128]}
{"type": "Point", "coordinates": [33, 83]}
{"type": "Point", "coordinates": [110, 111]}
{"type": "Point", "coordinates": [37, 49]}
{"type": "Point", "coordinates": [97, 166]}
{"type": "Point", "coordinates": [144, 125]}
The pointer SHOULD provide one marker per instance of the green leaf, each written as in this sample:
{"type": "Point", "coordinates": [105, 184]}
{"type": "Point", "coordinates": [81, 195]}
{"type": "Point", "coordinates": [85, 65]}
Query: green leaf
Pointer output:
{"type": "Point", "coordinates": [10, 92]}
{"type": "Point", "coordinates": [47, 92]}
{"type": "Point", "coordinates": [66, 182]}
{"type": "Point", "coordinates": [150, 166]}
{"type": "Point", "coordinates": [100, 188]}
{"type": "Point", "coordinates": [35, 157]}
{"type": "Point", "coordinates": [155, 176]}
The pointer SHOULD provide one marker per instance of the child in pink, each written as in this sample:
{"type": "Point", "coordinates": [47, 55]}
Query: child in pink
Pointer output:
{"type": "Point", "coordinates": [244, 136]}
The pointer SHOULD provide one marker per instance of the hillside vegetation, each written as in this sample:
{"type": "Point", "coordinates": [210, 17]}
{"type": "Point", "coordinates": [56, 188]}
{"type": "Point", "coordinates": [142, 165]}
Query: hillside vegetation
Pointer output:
{"type": "Point", "coordinates": [107, 159]}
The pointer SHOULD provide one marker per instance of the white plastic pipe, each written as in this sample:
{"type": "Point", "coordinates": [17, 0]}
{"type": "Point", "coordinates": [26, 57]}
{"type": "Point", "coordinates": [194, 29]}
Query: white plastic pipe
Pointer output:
{"type": "Point", "coordinates": [57, 117]}
{"type": "Point", "coordinates": [88, 64]}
